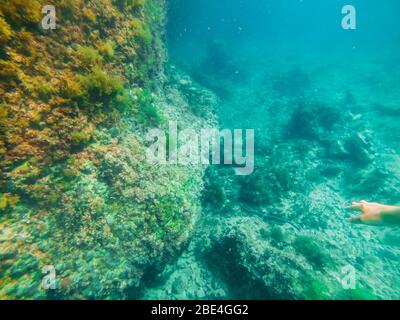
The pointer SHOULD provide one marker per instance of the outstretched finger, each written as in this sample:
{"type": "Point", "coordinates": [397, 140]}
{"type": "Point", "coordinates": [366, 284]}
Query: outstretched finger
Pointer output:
{"type": "Point", "coordinates": [357, 219]}
{"type": "Point", "coordinates": [355, 206]}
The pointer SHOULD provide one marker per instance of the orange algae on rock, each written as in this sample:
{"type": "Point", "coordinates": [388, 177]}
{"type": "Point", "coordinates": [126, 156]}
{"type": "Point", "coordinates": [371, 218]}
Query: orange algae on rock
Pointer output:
{"type": "Point", "coordinates": [43, 72]}
{"type": "Point", "coordinates": [63, 93]}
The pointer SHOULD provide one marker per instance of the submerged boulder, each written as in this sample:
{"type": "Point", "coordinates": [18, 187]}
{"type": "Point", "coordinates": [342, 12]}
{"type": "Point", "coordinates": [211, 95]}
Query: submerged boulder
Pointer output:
{"type": "Point", "coordinates": [312, 120]}
{"type": "Point", "coordinates": [76, 191]}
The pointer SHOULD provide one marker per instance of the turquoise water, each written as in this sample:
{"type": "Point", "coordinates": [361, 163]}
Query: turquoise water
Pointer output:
{"type": "Point", "coordinates": [325, 106]}
{"type": "Point", "coordinates": [85, 215]}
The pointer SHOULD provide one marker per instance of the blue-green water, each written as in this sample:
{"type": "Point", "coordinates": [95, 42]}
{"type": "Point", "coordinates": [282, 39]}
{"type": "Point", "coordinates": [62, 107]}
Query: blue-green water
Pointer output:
{"type": "Point", "coordinates": [84, 214]}
{"type": "Point", "coordinates": [325, 106]}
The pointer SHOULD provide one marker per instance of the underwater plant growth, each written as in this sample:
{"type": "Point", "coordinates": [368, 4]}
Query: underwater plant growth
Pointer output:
{"type": "Point", "coordinates": [78, 195]}
{"type": "Point", "coordinates": [76, 191]}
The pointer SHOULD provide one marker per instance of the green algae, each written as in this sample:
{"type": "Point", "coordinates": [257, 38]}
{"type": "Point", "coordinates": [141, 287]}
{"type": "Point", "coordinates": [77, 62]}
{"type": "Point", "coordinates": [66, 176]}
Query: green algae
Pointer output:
{"type": "Point", "coordinates": [89, 204]}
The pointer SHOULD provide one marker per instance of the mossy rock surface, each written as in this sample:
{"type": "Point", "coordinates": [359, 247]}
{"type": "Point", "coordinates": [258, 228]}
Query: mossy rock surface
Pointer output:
{"type": "Point", "coordinates": [76, 191]}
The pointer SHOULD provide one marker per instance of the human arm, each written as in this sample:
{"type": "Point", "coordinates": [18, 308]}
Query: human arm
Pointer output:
{"type": "Point", "coordinates": [376, 214]}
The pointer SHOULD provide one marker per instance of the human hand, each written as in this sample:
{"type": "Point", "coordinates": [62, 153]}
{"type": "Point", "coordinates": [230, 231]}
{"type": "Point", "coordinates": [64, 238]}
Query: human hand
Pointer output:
{"type": "Point", "coordinates": [372, 213]}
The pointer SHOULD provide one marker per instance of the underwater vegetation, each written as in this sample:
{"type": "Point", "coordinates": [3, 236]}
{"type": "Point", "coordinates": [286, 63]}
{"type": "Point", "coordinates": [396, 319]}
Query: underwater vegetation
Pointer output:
{"type": "Point", "coordinates": [311, 250]}
{"type": "Point", "coordinates": [282, 231]}
{"type": "Point", "coordinates": [76, 191]}
{"type": "Point", "coordinates": [270, 182]}
{"type": "Point", "coordinates": [71, 82]}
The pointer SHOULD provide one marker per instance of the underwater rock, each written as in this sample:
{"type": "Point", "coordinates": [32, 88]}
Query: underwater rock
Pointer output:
{"type": "Point", "coordinates": [312, 251]}
{"type": "Point", "coordinates": [276, 174]}
{"type": "Point", "coordinates": [292, 83]}
{"type": "Point", "coordinates": [76, 190]}
{"type": "Point", "coordinates": [336, 149]}
{"type": "Point", "coordinates": [312, 120]}
{"type": "Point", "coordinates": [271, 271]}
{"type": "Point", "coordinates": [187, 278]}
{"type": "Point", "coordinates": [197, 98]}
{"type": "Point", "coordinates": [74, 175]}
{"type": "Point", "coordinates": [360, 149]}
